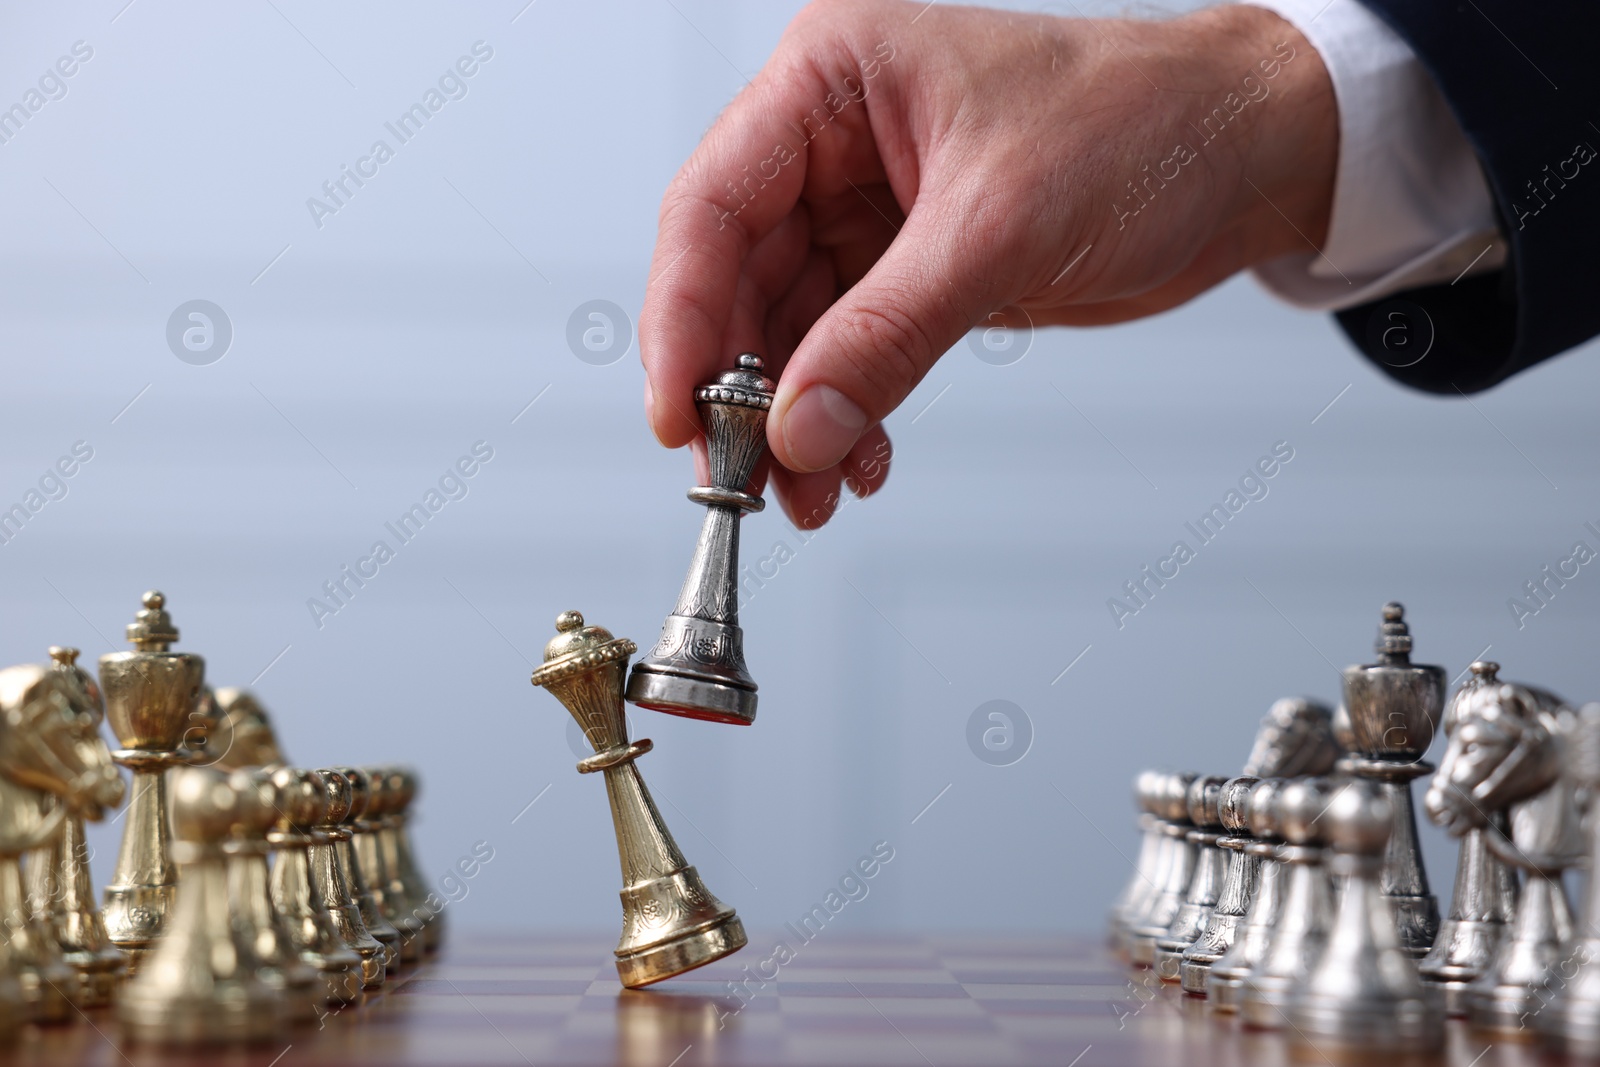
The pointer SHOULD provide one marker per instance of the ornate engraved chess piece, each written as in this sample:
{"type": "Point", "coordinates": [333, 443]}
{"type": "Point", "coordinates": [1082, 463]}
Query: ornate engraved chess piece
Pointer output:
{"type": "Point", "coordinates": [60, 890]}
{"type": "Point", "coordinates": [697, 666]}
{"type": "Point", "coordinates": [266, 935]}
{"type": "Point", "coordinates": [671, 922]}
{"type": "Point", "coordinates": [1295, 740]}
{"type": "Point", "coordinates": [1205, 885]}
{"type": "Point", "coordinates": [1225, 979]}
{"type": "Point", "coordinates": [1147, 926]}
{"type": "Point", "coordinates": [1238, 886]}
{"type": "Point", "coordinates": [328, 872]}
{"type": "Point", "coordinates": [200, 984]}
{"type": "Point", "coordinates": [388, 895]}
{"type": "Point", "coordinates": [1509, 759]}
{"type": "Point", "coordinates": [150, 693]}
{"type": "Point", "coordinates": [1570, 1020]}
{"type": "Point", "coordinates": [1364, 991]}
{"type": "Point", "coordinates": [395, 841]}
{"type": "Point", "coordinates": [1390, 710]}
{"type": "Point", "coordinates": [53, 766]}
{"type": "Point", "coordinates": [1305, 912]}
{"type": "Point", "coordinates": [296, 893]}
{"type": "Point", "coordinates": [1485, 894]}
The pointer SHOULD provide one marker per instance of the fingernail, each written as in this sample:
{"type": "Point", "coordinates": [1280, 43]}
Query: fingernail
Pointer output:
{"type": "Point", "coordinates": [820, 426]}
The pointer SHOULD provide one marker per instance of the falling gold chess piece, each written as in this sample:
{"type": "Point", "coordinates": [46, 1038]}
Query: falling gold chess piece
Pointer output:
{"type": "Point", "coordinates": [150, 695]}
{"type": "Point", "coordinates": [355, 878]}
{"type": "Point", "coordinates": [52, 766]}
{"type": "Point", "coordinates": [671, 922]}
{"type": "Point", "coordinates": [296, 894]}
{"type": "Point", "coordinates": [60, 890]}
{"type": "Point", "coordinates": [386, 891]}
{"type": "Point", "coordinates": [201, 984]}
{"type": "Point", "coordinates": [396, 840]}
{"type": "Point", "coordinates": [328, 874]}
{"type": "Point", "coordinates": [249, 889]}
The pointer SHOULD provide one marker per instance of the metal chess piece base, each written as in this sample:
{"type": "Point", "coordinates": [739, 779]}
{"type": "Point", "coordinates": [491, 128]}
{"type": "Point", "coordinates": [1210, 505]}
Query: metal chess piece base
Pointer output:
{"type": "Point", "coordinates": [98, 975]}
{"type": "Point", "coordinates": [681, 690]}
{"type": "Point", "coordinates": [681, 954]}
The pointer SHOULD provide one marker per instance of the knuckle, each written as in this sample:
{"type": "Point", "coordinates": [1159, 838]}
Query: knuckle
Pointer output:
{"type": "Point", "coordinates": [891, 348]}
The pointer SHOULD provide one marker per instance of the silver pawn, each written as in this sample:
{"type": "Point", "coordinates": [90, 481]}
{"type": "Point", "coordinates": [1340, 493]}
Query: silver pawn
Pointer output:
{"type": "Point", "coordinates": [1238, 886]}
{"type": "Point", "coordinates": [1225, 978]}
{"type": "Point", "coordinates": [1485, 894]}
{"type": "Point", "coordinates": [1364, 991]}
{"type": "Point", "coordinates": [1153, 921]}
{"type": "Point", "coordinates": [1305, 913]}
{"type": "Point", "coordinates": [1205, 885]}
{"type": "Point", "coordinates": [1152, 853]}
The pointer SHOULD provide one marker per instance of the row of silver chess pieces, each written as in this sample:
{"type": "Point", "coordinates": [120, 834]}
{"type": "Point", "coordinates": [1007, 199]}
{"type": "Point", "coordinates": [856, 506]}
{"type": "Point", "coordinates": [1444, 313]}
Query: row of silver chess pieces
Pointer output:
{"type": "Point", "coordinates": [248, 895]}
{"type": "Point", "coordinates": [1294, 898]}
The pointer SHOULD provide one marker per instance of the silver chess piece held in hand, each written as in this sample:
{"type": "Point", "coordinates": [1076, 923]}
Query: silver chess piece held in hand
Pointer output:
{"type": "Point", "coordinates": [696, 668]}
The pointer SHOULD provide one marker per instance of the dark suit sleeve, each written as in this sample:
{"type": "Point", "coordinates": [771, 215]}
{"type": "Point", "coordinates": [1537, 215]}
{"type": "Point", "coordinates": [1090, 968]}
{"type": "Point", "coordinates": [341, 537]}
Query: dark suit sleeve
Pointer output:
{"type": "Point", "coordinates": [1522, 78]}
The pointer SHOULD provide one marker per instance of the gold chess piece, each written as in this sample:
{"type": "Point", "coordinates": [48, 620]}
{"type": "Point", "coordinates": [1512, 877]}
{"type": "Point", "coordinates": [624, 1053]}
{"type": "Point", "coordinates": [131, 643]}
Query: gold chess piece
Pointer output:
{"type": "Point", "coordinates": [244, 730]}
{"type": "Point", "coordinates": [386, 891]}
{"type": "Point", "coordinates": [296, 894]}
{"type": "Point", "coordinates": [671, 922]}
{"type": "Point", "coordinates": [201, 983]}
{"type": "Point", "coordinates": [52, 765]}
{"type": "Point", "coordinates": [355, 876]}
{"type": "Point", "coordinates": [396, 842]}
{"type": "Point", "coordinates": [60, 890]}
{"type": "Point", "coordinates": [249, 888]}
{"type": "Point", "coordinates": [150, 694]}
{"type": "Point", "coordinates": [328, 874]}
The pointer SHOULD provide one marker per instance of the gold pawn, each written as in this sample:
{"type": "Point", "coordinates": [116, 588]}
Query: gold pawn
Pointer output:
{"type": "Point", "coordinates": [328, 873]}
{"type": "Point", "coordinates": [200, 984]}
{"type": "Point", "coordinates": [296, 894]}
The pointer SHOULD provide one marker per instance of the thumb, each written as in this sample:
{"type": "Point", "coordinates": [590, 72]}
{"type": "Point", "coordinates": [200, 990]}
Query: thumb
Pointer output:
{"type": "Point", "coordinates": [866, 353]}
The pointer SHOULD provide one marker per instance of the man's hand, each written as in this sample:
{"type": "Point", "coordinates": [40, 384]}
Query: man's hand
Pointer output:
{"type": "Point", "coordinates": [898, 172]}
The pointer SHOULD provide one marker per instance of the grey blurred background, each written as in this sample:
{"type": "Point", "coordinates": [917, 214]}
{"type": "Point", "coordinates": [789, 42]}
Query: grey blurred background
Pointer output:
{"type": "Point", "coordinates": [432, 312]}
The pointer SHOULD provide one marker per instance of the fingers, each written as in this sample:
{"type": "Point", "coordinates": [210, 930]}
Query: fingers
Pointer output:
{"type": "Point", "coordinates": [871, 348]}
{"type": "Point", "coordinates": [733, 192]}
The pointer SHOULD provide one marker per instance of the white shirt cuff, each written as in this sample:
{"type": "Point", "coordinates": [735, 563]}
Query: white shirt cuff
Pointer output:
{"type": "Point", "coordinates": [1410, 204]}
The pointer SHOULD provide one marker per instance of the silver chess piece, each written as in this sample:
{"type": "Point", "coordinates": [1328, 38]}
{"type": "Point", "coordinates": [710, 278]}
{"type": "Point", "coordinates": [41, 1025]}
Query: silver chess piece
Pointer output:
{"type": "Point", "coordinates": [1151, 923]}
{"type": "Point", "coordinates": [1363, 993]}
{"type": "Point", "coordinates": [1390, 711]}
{"type": "Point", "coordinates": [1225, 978]}
{"type": "Point", "coordinates": [1508, 758]}
{"type": "Point", "coordinates": [697, 666]}
{"type": "Point", "coordinates": [1485, 894]}
{"type": "Point", "coordinates": [1205, 885]}
{"type": "Point", "coordinates": [1295, 740]}
{"type": "Point", "coordinates": [1570, 1020]}
{"type": "Point", "coordinates": [1238, 886]}
{"type": "Point", "coordinates": [1152, 854]}
{"type": "Point", "coordinates": [1306, 909]}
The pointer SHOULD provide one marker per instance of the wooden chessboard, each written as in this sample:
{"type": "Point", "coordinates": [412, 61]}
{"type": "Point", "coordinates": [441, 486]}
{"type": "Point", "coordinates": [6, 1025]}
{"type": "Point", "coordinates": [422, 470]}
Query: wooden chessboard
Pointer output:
{"type": "Point", "coordinates": [847, 1000]}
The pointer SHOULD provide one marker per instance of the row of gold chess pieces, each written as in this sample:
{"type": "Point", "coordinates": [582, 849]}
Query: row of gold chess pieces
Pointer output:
{"type": "Point", "coordinates": [1293, 897]}
{"type": "Point", "coordinates": [248, 895]}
